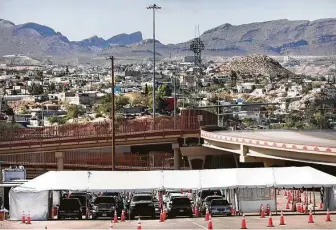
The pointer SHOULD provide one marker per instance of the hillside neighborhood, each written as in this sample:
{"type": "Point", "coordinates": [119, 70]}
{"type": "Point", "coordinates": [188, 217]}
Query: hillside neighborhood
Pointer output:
{"type": "Point", "coordinates": [255, 92]}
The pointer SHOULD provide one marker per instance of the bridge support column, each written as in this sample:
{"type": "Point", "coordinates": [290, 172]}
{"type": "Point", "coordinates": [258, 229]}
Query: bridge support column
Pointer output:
{"type": "Point", "coordinates": [196, 162]}
{"type": "Point", "coordinates": [273, 162]}
{"type": "Point", "coordinates": [60, 160]}
{"type": "Point", "coordinates": [177, 156]}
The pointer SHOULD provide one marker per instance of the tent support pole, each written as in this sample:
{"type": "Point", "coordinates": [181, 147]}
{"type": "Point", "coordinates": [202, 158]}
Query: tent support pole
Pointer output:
{"type": "Point", "coordinates": [275, 201]}
{"type": "Point", "coordinates": [314, 200]}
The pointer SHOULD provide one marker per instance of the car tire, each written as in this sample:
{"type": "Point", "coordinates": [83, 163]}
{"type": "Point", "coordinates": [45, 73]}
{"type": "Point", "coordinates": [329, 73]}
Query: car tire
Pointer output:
{"type": "Point", "coordinates": [94, 217]}
{"type": "Point", "coordinates": [80, 217]}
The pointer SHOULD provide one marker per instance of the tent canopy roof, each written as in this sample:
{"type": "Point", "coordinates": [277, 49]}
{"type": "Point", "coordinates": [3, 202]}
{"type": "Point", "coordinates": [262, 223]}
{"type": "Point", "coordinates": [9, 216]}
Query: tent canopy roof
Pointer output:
{"type": "Point", "coordinates": [287, 177]}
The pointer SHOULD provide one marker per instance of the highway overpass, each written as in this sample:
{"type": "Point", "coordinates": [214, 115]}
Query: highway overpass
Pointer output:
{"type": "Point", "coordinates": [274, 147]}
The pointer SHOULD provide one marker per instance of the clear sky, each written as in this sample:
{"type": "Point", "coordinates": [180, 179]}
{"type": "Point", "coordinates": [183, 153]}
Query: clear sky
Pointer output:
{"type": "Point", "coordinates": [80, 19]}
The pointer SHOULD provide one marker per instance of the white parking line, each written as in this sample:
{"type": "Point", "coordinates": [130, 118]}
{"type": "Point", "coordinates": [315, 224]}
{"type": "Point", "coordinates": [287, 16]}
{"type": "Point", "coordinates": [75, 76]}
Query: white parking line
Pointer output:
{"type": "Point", "coordinates": [197, 224]}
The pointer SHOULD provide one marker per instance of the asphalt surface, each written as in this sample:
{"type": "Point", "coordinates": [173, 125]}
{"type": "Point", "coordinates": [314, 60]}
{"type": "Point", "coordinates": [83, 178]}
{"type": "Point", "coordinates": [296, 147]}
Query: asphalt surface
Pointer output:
{"type": "Point", "coordinates": [253, 222]}
{"type": "Point", "coordinates": [292, 221]}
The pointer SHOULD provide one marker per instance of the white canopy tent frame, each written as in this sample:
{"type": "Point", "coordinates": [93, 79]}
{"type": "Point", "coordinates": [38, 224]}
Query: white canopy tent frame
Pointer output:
{"type": "Point", "coordinates": [24, 197]}
{"type": "Point", "coordinates": [120, 181]}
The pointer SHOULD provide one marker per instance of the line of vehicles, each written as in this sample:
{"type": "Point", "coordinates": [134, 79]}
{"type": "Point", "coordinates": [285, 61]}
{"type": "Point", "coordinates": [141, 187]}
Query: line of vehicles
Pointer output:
{"type": "Point", "coordinates": [141, 204]}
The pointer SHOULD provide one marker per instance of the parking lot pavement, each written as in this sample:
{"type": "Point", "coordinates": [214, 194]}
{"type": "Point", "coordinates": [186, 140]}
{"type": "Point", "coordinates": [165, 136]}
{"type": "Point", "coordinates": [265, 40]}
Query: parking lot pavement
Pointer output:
{"type": "Point", "coordinates": [253, 222]}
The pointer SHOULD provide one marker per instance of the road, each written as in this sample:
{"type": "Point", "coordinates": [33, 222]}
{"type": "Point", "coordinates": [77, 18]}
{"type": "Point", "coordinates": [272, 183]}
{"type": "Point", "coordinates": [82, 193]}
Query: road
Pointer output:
{"type": "Point", "coordinates": [318, 138]}
{"type": "Point", "coordinates": [253, 222]}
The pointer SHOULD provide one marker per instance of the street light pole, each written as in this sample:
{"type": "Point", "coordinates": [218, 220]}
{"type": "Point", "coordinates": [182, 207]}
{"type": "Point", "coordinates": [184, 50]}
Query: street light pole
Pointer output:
{"type": "Point", "coordinates": [113, 114]}
{"type": "Point", "coordinates": [154, 7]}
{"type": "Point", "coordinates": [175, 102]}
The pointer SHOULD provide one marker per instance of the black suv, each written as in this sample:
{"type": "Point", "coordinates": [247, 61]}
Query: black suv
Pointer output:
{"type": "Point", "coordinates": [69, 208]}
{"type": "Point", "coordinates": [180, 206]}
{"type": "Point", "coordinates": [103, 206]}
{"type": "Point", "coordinates": [84, 202]}
{"type": "Point", "coordinates": [142, 205]}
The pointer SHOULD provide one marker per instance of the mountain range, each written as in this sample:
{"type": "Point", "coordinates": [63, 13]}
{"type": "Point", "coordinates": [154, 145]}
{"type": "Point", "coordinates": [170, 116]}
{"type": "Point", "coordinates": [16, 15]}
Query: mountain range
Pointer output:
{"type": "Point", "coordinates": [278, 37]}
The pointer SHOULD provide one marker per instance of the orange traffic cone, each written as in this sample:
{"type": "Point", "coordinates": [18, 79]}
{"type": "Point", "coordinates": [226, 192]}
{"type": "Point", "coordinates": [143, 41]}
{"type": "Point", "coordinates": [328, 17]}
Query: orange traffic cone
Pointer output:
{"type": "Point", "coordinates": [304, 209]}
{"type": "Point", "coordinates": [196, 212]}
{"type": "Point", "coordinates": [23, 218]}
{"type": "Point", "coordinates": [164, 214]}
{"type": "Point", "coordinates": [270, 221]}
{"type": "Point", "coordinates": [328, 219]}
{"type": "Point", "coordinates": [207, 215]}
{"type": "Point", "coordinates": [28, 219]}
{"type": "Point", "coordinates": [115, 218]}
{"type": "Point", "coordinates": [139, 224]}
{"type": "Point", "coordinates": [111, 226]}
{"type": "Point", "coordinates": [262, 212]}
{"type": "Point", "coordinates": [210, 223]}
{"type": "Point", "coordinates": [310, 219]}
{"type": "Point", "coordinates": [161, 217]}
{"type": "Point", "coordinates": [282, 219]}
{"type": "Point", "coordinates": [300, 208]}
{"type": "Point", "coordinates": [287, 205]}
{"type": "Point", "coordinates": [243, 223]}
{"type": "Point", "coordinates": [122, 218]}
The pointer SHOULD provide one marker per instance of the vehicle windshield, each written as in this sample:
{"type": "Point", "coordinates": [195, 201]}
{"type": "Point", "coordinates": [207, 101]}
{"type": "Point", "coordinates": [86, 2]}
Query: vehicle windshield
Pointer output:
{"type": "Point", "coordinates": [181, 201]}
{"type": "Point", "coordinates": [206, 193]}
{"type": "Point", "coordinates": [69, 204]}
{"type": "Point", "coordinates": [210, 198]}
{"type": "Point", "coordinates": [219, 202]}
{"type": "Point", "coordinates": [82, 199]}
{"type": "Point", "coordinates": [111, 194]}
{"type": "Point", "coordinates": [105, 200]}
{"type": "Point", "coordinates": [142, 198]}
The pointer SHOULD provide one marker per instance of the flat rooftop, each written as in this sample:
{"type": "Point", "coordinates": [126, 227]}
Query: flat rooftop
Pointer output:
{"type": "Point", "coordinates": [319, 138]}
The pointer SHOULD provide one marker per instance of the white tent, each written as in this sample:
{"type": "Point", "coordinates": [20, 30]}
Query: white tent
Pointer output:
{"type": "Point", "coordinates": [35, 192]}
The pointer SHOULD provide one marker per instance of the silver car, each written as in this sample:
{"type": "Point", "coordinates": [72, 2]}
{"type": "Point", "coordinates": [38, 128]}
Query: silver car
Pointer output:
{"type": "Point", "coordinates": [220, 207]}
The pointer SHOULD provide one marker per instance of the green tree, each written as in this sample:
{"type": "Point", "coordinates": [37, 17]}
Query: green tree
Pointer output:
{"type": "Point", "coordinates": [35, 89]}
{"type": "Point", "coordinates": [57, 119]}
{"type": "Point", "coordinates": [74, 111]}
{"type": "Point", "coordinates": [320, 120]}
{"type": "Point", "coordinates": [117, 78]}
{"type": "Point", "coordinates": [121, 101]}
{"type": "Point", "coordinates": [105, 105]}
{"type": "Point", "coordinates": [164, 90]}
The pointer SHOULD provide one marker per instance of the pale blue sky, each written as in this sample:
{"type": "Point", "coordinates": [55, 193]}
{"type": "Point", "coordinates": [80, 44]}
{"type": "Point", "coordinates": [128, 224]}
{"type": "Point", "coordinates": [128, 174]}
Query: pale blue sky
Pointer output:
{"type": "Point", "coordinates": [80, 19]}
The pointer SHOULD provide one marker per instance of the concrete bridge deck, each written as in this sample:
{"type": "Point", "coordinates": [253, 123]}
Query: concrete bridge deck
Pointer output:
{"type": "Point", "coordinates": [276, 145]}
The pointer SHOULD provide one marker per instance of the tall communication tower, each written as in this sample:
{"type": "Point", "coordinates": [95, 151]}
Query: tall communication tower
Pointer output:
{"type": "Point", "coordinates": [197, 46]}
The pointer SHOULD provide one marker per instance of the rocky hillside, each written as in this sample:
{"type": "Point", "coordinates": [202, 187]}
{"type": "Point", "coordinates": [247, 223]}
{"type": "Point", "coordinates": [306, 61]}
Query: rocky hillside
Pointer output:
{"type": "Point", "coordinates": [254, 65]}
{"type": "Point", "coordinates": [120, 39]}
{"type": "Point", "coordinates": [279, 37]}
{"type": "Point", "coordinates": [37, 40]}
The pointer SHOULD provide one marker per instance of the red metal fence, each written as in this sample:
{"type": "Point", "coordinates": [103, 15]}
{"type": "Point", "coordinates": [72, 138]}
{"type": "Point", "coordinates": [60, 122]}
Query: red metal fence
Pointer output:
{"type": "Point", "coordinates": [188, 121]}
{"type": "Point", "coordinates": [101, 129]}
{"type": "Point", "coordinates": [38, 163]}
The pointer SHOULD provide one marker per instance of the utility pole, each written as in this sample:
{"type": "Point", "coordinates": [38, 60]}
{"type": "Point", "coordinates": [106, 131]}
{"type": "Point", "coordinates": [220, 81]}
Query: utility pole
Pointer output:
{"type": "Point", "coordinates": [154, 7]}
{"type": "Point", "coordinates": [113, 114]}
{"type": "Point", "coordinates": [175, 102]}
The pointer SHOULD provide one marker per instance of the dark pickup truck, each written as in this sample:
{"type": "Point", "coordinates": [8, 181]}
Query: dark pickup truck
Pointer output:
{"type": "Point", "coordinates": [69, 208]}
{"type": "Point", "coordinates": [104, 206]}
{"type": "Point", "coordinates": [180, 206]}
{"type": "Point", "coordinates": [142, 205]}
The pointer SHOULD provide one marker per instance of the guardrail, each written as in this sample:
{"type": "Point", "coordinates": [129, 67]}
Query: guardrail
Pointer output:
{"type": "Point", "coordinates": [125, 129]}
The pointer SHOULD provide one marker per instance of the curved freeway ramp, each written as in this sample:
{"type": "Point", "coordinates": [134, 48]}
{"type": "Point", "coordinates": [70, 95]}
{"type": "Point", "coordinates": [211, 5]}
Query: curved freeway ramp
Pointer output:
{"type": "Point", "coordinates": [305, 146]}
